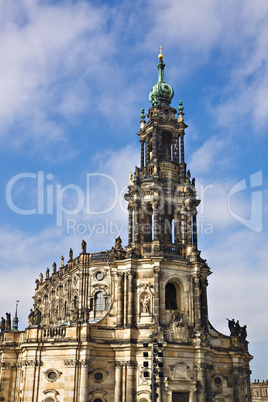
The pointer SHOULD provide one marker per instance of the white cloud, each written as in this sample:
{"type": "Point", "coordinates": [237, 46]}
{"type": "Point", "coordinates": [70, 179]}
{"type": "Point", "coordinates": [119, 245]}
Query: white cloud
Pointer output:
{"type": "Point", "coordinates": [53, 43]}
{"type": "Point", "coordinates": [211, 155]}
{"type": "Point", "coordinates": [24, 255]}
{"type": "Point", "coordinates": [238, 286]}
{"type": "Point", "coordinates": [233, 37]}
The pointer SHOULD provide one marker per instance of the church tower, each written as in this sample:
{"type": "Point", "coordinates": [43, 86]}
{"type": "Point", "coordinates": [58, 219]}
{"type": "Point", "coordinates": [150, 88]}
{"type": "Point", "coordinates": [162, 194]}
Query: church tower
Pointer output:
{"type": "Point", "coordinates": [162, 200]}
{"type": "Point", "coordinates": [131, 323]}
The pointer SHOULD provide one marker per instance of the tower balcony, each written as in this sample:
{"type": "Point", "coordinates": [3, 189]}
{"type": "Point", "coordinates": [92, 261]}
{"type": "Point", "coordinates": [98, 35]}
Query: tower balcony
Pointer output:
{"type": "Point", "coordinates": [167, 250]}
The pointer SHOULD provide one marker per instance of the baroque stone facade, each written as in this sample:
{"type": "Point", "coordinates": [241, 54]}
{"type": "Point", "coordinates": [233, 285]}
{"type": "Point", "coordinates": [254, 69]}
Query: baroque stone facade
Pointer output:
{"type": "Point", "coordinates": [130, 323]}
{"type": "Point", "coordinates": [259, 391]}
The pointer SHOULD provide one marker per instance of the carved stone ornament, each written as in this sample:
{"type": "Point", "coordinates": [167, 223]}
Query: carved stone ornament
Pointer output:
{"type": "Point", "coordinates": [129, 363]}
{"type": "Point", "coordinates": [98, 394]}
{"type": "Point", "coordinates": [85, 362]}
{"type": "Point", "coordinates": [32, 363]}
{"type": "Point", "coordinates": [144, 380]}
{"type": "Point", "coordinates": [203, 367]}
{"type": "Point", "coordinates": [238, 370]}
{"type": "Point", "coordinates": [177, 330]}
{"type": "Point", "coordinates": [7, 365]}
{"type": "Point", "coordinates": [76, 363]}
{"type": "Point", "coordinates": [51, 394]}
{"type": "Point", "coordinates": [71, 362]}
{"type": "Point", "coordinates": [179, 371]}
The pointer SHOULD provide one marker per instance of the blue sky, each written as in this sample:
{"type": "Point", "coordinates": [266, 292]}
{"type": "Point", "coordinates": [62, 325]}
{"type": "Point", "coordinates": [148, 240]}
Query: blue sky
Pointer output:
{"type": "Point", "coordinates": [74, 76]}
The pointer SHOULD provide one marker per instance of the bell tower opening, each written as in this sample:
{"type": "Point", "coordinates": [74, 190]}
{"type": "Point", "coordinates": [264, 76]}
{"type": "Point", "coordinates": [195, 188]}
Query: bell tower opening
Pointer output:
{"type": "Point", "coordinates": [171, 297]}
{"type": "Point", "coordinates": [167, 149]}
{"type": "Point", "coordinates": [147, 224]}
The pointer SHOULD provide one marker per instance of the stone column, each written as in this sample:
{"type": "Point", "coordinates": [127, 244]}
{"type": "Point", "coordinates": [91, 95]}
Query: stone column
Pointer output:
{"type": "Point", "coordinates": [8, 373]}
{"type": "Point", "coordinates": [147, 153]}
{"type": "Point", "coordinates": [183, 226]}
{"type": "Point", "coordinates": [130, 299]}
{"type": "Point", "coordinates": [200, 374]}
{"type": "Point", "coordinates": [208, 388]}
{"type": "Point", "coordinates": [125, 293]}
{"type": "Point", "coordinates": [130, 381]}
{"type": "Point", "coordinates": [156, 295]}
{"type": "Point", "coordinates": [160, 145]}
{"type": "Point", "coordinates": [124, 382]}
{"type": "Point", "coordinates": [176, 158]}
{"type": "Point", "coordinates": [130, 225]}
{"type": "Point", "coordinates": [237, 372]}
{"type": "Point", "coordinates": [84, 380]}
{"type": "Point", "coordinates": [177, 228]}
{"type": "Point", "coordinates": [136, 223]}
{"type": "Point", "coordinates": [118, 382]}
{"type": "Point", "coordinates": [197, 307]}
{"type": "Point", "coordinates": [204, 304]}
{"type": "Point", "coordinates": [194, 229]}
{"type": "Point", "coordinates": [142, 153]}
{"type": "Point", "coordinates": [182, 147]}
{"type": "Point", "coordinates": [71, 366]}
{"type": "Point", "coordinates": [154, 144]}
{"type": "Point", "coordinates": [156, 220]}
{"type": "Point", "coordinates": [120, 299]}
{"type": "Point", "coordinates": [189, 226]}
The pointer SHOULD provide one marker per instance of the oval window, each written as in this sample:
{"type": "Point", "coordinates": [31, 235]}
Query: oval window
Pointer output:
{"type": "Point", "coordinates": [98, 376]}
{"type": "Point", "coordinates": [52, 375]}
{"type": "Point", "coordinates": [99, 275]}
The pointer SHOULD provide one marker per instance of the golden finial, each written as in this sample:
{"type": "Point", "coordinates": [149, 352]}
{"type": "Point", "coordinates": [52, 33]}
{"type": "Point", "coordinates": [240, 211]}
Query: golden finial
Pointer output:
{"type": "Point", "coordinates": [161, 56]}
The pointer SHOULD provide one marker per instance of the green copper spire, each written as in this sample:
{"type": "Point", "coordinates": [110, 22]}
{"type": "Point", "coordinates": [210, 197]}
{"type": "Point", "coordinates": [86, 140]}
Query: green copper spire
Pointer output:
{"type": "Point", "coordinates": [161, 92]}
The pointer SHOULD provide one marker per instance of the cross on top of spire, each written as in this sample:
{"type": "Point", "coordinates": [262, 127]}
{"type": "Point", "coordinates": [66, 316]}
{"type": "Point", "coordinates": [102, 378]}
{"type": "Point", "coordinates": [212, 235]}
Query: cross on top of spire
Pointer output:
{"type": "Point", "coordinates": [161, 56]}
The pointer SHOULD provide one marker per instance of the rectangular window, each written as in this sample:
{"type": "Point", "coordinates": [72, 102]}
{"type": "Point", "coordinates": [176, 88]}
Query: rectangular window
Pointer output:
{"type": "Point", "coordinates": [180, 396]}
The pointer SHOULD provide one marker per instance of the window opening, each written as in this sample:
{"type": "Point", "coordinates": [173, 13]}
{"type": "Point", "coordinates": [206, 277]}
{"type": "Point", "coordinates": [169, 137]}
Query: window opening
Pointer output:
{"type": "Point", "coordinates": [99, 301]}
{"type": "Point", "coordinates": [171, 297]}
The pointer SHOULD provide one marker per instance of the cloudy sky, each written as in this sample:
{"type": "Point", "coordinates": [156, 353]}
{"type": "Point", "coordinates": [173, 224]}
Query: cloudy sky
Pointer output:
{"type": "Point", "coordinates": [73, 78]}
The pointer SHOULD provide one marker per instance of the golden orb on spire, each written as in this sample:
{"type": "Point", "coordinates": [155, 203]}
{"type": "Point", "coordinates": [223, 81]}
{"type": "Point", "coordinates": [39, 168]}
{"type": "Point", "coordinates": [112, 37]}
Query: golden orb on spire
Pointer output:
{"type": "Point", "coordinates": [160, 56]}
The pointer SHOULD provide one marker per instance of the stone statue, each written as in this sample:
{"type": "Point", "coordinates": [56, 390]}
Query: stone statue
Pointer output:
{"type": "Point", "coordinates": [41, 278]}
{"type": "Point", "coordinates": [130, 178]}
{"type": "Point", "coordinates": [243, 332]}
{"type": "Point", "coordinates": [237, 328]}
{"type": "Point", "coordinates": [71, 254]}
{"type": "Point", "coordinates": [31, 318]}
{"type": "Point", "coordinates": [146, 304]}
{"type": "Point", "coordinates": [118, 243]}
{"type": "Point", "coordinates": [62, 261]}
{"type": "Point", "coordinates": [231, 325]}
{"type": "Point", "coordinates": [54, 267]}
{"type": "Point", "coordinates": [47, 273]}
{"type": "Point", "coordinates": [37, 283]}
{"type": "Point", "coordinates": [37, 316]}
{"type": "Point", "coordinates": [8, 321]}
{"type": "Point", "coordinates": [86, 314]}
{"type": "Point", "coordinates": [2, 324]}
{"type": "Point", "coordinates": [75, 314]}
{"type": "Point", "coordinates": [84, 246]}
{"type": "Point", "coordinates": [188, 174]}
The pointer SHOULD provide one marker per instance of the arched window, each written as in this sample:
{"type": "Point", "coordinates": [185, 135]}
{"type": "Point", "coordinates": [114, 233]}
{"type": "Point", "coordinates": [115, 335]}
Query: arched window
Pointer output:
{"type": "Point", "coordinates": [147, 226]}
{"type": "Point", "coordinates": [171, 297]}
{"type": "Point", "coordinates": [99, 301]}
{"type": "Point", "coordinates": [167, 146]}
{"type": "Point", "coordinates": [97, 400]}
